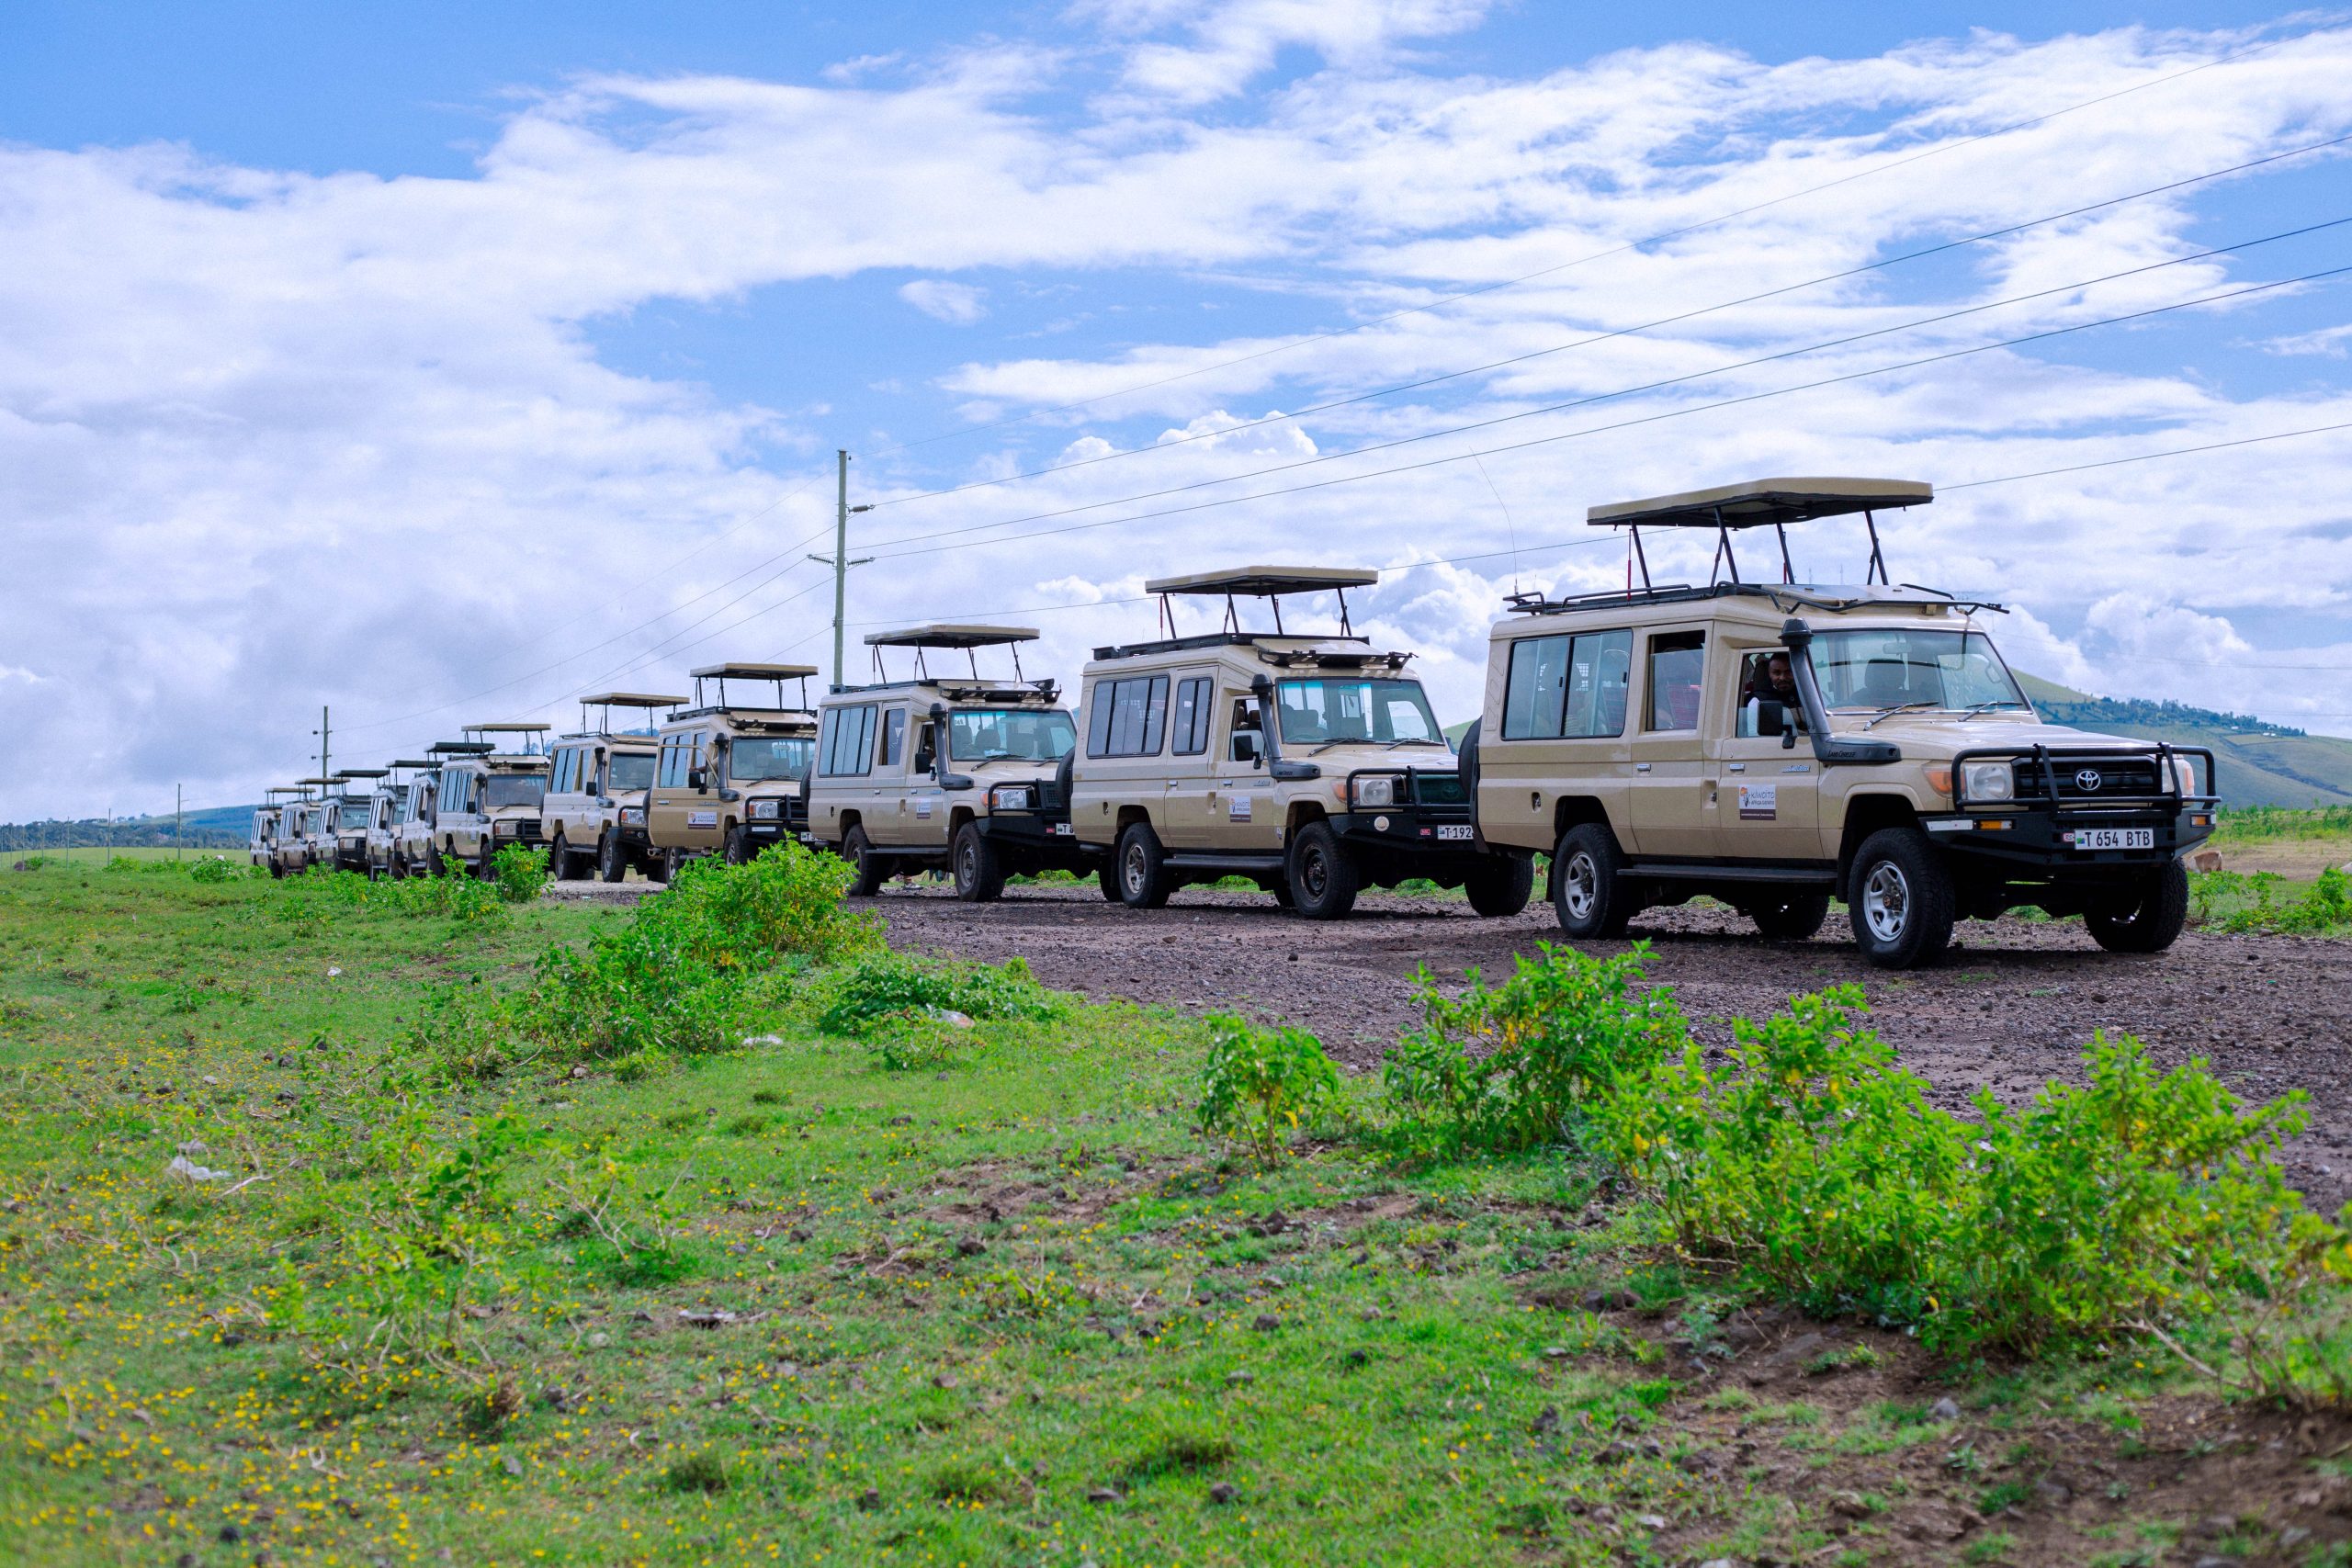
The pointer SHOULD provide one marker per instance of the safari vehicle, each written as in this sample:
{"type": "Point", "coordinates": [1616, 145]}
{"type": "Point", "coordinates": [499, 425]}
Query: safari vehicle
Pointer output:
{"type": "Point", "coordinates": [264, 833]}
{"type": "Point", "coordinates": [597, 783]}
{"type": "Point", "coordinates": [1310, 763]}
{"type": "Point", "coordinates": [317, 822]}
{"type": "Point", "coordinates": [486, 798]}
{"type": "Point", "coordinates": [415, 852]}
{"type": "Point", "coordinates": [731, 777]}
{"type": "Point", "coordinates": [967, 773]}
{"type": "Point", "coordinates": [1641, 739]}
{"type": "Point", "coordinates": [277, 829]}
{"type": "Point", "coordinates": [354, 811]}
{"type": "Point", "coordinates": [390, 807]}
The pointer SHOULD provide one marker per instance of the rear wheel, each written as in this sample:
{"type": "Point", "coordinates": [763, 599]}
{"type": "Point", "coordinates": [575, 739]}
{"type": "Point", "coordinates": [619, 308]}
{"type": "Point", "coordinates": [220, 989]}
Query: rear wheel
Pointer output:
{"type": "Point", "coordinates": [1106, 876]}
{"type": "Point", "coordinates": [2149, 921]}
{"type": "Point", "coordinates": [1144, 879]}
{"type": "Point", "coordinates": [662, 866]}
{"type": "Point", "coordinates": [1502, 887]}
{"type": "Point", "coordinates": [1589, 893]}
{"type": "Point", "coordinates": [1901, 899]}
{"type": "Point", "coordinates": [1790, 917]}
{"type": "Point", "coordinates": [558, 859]}
{"type": "Point", "coordinates": [1324, 877]}
{"type": "Point", "coordinates": [484, 866]}
{"type": "Point", "coordinates": [858, 850]}
{"type": "Point", "coordinates": [979, 870]}
{"type": "Point", "coordinates": [612, 860]}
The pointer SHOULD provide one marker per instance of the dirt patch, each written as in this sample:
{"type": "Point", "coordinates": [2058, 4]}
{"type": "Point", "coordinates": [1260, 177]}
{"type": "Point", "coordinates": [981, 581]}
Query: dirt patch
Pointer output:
{"type": "Point", "coordinates": [2010, 1008]}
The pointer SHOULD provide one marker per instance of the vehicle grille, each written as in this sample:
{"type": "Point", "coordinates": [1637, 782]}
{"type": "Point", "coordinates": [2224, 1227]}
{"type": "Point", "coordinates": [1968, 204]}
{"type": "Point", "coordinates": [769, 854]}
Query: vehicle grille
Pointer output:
{"type": "Point", "coordinates": [527, 830]}
{"type": "Point", "coordinates": [1439, 789]}
{"type": "Point", "coordinates": [2089, 779]}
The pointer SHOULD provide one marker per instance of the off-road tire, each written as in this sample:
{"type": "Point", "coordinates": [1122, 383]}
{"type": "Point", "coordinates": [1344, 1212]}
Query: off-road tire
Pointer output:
{"type": "Point", "coordinates": [612, 858]}
{"type": "Point", "coordinates": [277, 872]}
{"type": "Point", "coordinates": [484, 870]}
{"type": "Point", "coordinates": [663, 867]}
{"type": "Point", "coordinates": [1466, 763]}
{"type": "Point", "coordinates": [1107, 876]}
{"type": "Point", "coordinates": [737, 850]}
{"type": "Point", "coordinates": [558, 860]}
{"type": "Point", "coordinates": [1790, 917]}
{"type": "Point", "coordinates": [979, 870]}
{"type": "Point", "coordinates": [1501, 889]}
{"type": "Point", "coordinates": [1144, 878]}
{"type": "Point", "coordinates": [1590, 893]}
{"type": "Point", "coordinates": [1323, 874]}
{"type": "Point", "coordinates": [2151, 923]}
{"type": "Point", "coordinates": [1901, 900]}
{"type": "Point", "coordinates": [1280, 888]}
{"type": "Point", "coordinates": [858, 850]}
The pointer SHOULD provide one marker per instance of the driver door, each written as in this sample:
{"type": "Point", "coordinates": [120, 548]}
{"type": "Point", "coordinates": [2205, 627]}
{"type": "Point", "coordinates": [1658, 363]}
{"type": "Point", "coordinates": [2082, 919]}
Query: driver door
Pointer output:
{"type": "Point", "coordinates": [1768, 800]}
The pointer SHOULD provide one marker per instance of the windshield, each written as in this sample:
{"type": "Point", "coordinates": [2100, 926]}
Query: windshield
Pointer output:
{"type": "Point", "coordinates": [515, 789]}
{"type": "Point", "coordinates": [631, 769]}
{"type": "Point", "coordinates": [1895, 667]}
{"type": "Point", "coordinates": [989, 734]}
{"type": "Point", "coordinates": [753, 758]}
{"type": "Point", "coordinates": [352, 814]}
{"type": "Point", "coordinates": [1336, 712]}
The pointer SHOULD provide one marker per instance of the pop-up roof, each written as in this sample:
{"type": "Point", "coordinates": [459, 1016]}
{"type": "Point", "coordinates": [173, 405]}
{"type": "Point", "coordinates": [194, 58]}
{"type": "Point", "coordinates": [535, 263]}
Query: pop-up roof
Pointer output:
{"type": "Point", "coordinates": [777, 675]}
{"type": "Point", "coordinates": [1267, 582]}
{"type": "Point", "coordinates": [629, 700]}
{"type": "Point", "coordinates": [1758, 504]}
{"type": "Point", "coordinates": [462, 747]}
{"type": "Point", "coordinates": [943, 634]}
{"type": "Point", "coordinates": [415, 762]}
{"type": "Point", "coordinates": [362, 772]}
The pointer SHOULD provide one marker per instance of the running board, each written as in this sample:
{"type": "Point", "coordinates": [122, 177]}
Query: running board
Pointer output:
{"type": "Point", "coordinates": [1699, 871]}
{"type": "Point", "coordinates": [1231, 865]}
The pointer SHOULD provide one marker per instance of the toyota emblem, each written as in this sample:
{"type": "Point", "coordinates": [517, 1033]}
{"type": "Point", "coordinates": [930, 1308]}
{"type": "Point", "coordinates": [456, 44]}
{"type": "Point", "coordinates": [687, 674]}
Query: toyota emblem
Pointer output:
{"type": "Point", "coordinates": [2087, 781]}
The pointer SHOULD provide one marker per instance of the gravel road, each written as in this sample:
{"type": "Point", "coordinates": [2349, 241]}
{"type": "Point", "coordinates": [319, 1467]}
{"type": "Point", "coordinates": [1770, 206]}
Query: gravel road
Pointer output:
{"type": "Point", "coordinates": [2010, 1008]}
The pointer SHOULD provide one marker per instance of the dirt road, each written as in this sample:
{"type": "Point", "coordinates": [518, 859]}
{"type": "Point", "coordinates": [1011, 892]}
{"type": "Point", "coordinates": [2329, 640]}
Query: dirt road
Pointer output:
{"type": "Point", "coordinates": [2009, 1009]}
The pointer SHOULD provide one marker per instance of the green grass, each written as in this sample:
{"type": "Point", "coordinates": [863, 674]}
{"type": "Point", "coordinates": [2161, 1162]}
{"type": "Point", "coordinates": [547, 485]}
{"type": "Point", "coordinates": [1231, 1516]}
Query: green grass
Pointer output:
{"type": "Point", "coordinates": [2261, 824]}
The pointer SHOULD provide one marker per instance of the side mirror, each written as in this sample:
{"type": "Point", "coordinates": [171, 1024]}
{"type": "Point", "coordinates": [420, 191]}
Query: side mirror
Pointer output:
{"type": "Point", "coordinates": [697, 778]}
{"type": "Point", "coordinates": [1246, 747]}
{"type": "Point", "coordinates": [1771, 718]}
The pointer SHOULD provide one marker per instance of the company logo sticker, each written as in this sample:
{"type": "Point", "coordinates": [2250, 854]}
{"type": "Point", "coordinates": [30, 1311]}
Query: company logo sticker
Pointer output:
{"type": "Point", "coordinates": [1759, 803]}
{"type": "Point", "coordinates": [702, 819]}
{"type": "Point", "coordinates": [1238, 808]}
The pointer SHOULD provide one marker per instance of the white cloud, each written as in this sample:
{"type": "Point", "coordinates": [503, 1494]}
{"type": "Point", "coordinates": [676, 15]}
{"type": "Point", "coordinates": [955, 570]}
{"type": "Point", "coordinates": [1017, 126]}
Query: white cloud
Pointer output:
{"type": "Point", "coordinates": [959, 304]}
{"type": "Point", "coordinates": [2333, 342]}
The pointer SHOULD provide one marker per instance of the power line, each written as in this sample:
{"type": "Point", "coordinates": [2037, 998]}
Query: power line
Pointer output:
{"type": "Point", "coordinates": [1659, 238]}
{"type": "Point", "coordinates": [2147, 457]}
{"type": "Point", "coordinates": [1614, 333]}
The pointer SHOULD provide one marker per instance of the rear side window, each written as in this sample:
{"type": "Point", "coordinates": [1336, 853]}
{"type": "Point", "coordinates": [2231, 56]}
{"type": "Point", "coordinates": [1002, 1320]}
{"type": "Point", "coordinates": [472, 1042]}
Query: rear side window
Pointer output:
{"type": "Point", "coordinates": [894, 738]}
{"type": "Point", "coordinates": [847, 747]}
{"type": "Point", "coordinates": [1129, 718]}
{"type": "Point", "coordinates": [1568, 687]}
{"type": "Point", "coordinates": [1196, 701]}
{"type": "Point", "coordinates": [1677, 661]}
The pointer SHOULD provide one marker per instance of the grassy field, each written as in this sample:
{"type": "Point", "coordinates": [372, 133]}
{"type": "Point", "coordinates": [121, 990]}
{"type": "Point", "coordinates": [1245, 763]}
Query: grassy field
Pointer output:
{"type": "Point", "coordinates": [821, 1299]}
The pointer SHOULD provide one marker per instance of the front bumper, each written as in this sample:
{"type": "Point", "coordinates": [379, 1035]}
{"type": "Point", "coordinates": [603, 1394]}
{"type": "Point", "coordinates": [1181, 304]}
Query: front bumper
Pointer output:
{"type": "Point", "coordinates": [1047, 835]}
{"type": "Point", "coordinates": [2062, 793]}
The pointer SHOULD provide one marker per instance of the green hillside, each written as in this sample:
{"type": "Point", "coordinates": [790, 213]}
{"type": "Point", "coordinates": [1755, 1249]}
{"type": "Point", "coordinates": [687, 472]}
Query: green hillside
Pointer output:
{"type": "Point", "coordinates": [223, 826]}
{"type": "Point", "coordinates": [2258, 763]}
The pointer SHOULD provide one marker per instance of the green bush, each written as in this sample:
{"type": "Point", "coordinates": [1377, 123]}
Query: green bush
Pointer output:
{"type": "Point", "coordinates": [214, 868]}
{"type": "Point", "coordinates": [1817, 1164]}
{"type": "Point", "coordinates": [1522, 1064]}
{"type": "Point", "coordinates": [455, 893]}
{"type": "Point", "coordinates": [1262, 1085]}
{"type": "Point", "coordinates": [2245, 903]}
{"type": "Point", "coordinates": [890, 989]}
{"type": "Point", "coordinates": [519, 872]}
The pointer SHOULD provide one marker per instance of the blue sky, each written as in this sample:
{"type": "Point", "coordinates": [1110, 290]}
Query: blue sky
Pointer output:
{"type": "Point", "coordinates": [442, 363]}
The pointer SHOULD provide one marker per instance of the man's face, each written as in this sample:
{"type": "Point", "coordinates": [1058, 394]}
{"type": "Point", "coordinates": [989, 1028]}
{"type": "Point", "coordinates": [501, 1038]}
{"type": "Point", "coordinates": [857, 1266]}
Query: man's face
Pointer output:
{"type": "Point", "coordinates": [1776, 670]}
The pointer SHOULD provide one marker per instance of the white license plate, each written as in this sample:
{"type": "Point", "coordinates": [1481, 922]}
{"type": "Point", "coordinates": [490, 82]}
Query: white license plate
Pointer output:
{"type": "Point", "coordinates": [1454, 831]}
{"type": "Point", "coordinates": [1063, 830]}
{"type": "Point", "coordinates": [2114, 837]}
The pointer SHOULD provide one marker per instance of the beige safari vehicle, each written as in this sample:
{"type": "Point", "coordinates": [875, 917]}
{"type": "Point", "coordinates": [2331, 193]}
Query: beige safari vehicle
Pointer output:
{"type": "Point", "coordinates": [1310, 763]}
{"type": "Point", "coordinates": [277, 829]}
{"type": "Point", "coordinates": [316, 822]}
{"type": "Point", "coordinates": [731, 777]}
{"type": "Point", "coordinates": [1777, 745]}
{"type": "Point", "coordinates": [489, 794]}
{"type": "Point", "coordinates": [415, 852]}
{"type": "Point", "coordinates": [384, 825]}
{"type": "Point", "coordinates": [355, 814]}
{"type": "Point", "coordinates": [966, 774]}
{"type": "Point", "coordinates": [263, 835]}
{"type": "Point", "coordinates": [597, 783]}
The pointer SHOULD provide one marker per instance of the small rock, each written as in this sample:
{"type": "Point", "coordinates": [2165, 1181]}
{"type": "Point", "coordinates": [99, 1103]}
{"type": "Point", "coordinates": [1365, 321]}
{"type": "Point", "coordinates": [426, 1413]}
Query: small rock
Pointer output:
{"type": "Point", "coordinates": [951, 1017]}
{"type": "Point", "coordinates": [1610, 1298]}
{"type": "Point", "coordinates": [1616, 1453]}
{"type": "Point", "coordinates": [1357, 1357]}
{"type": "Point", "coordinates": [187, 1170]}
{"type": "Point", "coordinates": [512, 1465]}
{"type": "Point", "coordinates": [599, 1339]}
{"type": "Point", "coordinates": [579, 1072]}
{"type": "Point", "coordinates": [1723, 1562]}
{"type": "Point", "coordinates": [1239, 1379]}
{"type": "Point", "coordinates": [196, 1148]}
{"type": "Point", "coordinates": [1650, 1521]}
{"type": "Point", "coordinates": [332, 972]}
{"type": "Point", "coordinates": [2221, 1524]}
{"type": "Point", "coordinates": [231, 1534]}
{"type": "Point", "coordinates": [868, 1500]}
{"type": "Point", "coordinates": [762, 1039]}
{"type": "Point", "coordinates": [902, 1121]}
{"type": "Point", "coordinates": [2292, 1536]}
{"type": "Point", "coordinates": [1224, 1492]}
{"type": "Point", "coordinates": [970, 1246]}
{"type": "Point", "coordinates": [944, 1380]}
{"type": "Point", "coordinates": [2056, 1494]}
{"type": "Point", "coordinates": [2210, 1561]}
{"type": "Point", "coordinates": [1266, 1323]}
{"type": "Point", "coordinates": [1944, 1409]}
{"type": "Point", "coordinates": [1848, 1505]}
{"type": "Point", "coordinates": [210, 1080]}
{"type": "Point", "coordinates": [1103, 1494]}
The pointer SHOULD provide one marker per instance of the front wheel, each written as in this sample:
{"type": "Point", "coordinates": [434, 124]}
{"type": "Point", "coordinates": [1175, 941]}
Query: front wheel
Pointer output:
{"type": "Point", "coordinates": [662, 866]}
{"type": "Point", "coordinates": [738, 849]}
{"type": "Point", "coordinates": [484, 867]}
{"type": "Point", "coordinates": [1144, 879]}
{"type": "Point", "coordinates": [1790, 917]}
{"type": "Point", "coordinates": [979, 870]}
{"type": "Point", "coordinates": [612, 860]}
{"type": "Point", "coordinates": [1901, 900]}
{"type": "Point", "coordinates": [1589, 894]}
{"type": "Point", "coordinates": [858, 850]}
{"type": "Point", "coordinates": [2148, 922]}
{"type": "Point", "coordinates": [1107, 876]}
{"type": "Point", "coordinates": [558, 860]}
{"type": "Point", "coordinates": [1503, 888]}
{"type": "Point", "coordinates": [1324, 877]}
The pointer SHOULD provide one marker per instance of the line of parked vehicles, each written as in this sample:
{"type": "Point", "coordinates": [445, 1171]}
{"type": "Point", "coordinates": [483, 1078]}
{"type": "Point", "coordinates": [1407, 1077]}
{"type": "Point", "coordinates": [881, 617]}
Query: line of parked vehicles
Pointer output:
{"type": "Point", "coordinates": [1769, 744]}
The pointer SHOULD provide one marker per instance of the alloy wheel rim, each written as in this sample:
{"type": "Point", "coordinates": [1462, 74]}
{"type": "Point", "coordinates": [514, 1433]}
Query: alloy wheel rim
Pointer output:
{"type": "Point", "coordinates": [1131, 870]}
{"type": "Point", "coordinates": [1581, 887]}
{"type": "Point", "coordinates": [1886, 901]}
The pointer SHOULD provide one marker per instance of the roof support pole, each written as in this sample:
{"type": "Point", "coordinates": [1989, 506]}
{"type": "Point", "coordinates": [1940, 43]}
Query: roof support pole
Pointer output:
{"type": "Point", "coordinates": [1723, 546]}
{"type": "Point", "coordinates": [1345, 630]}
{"type": "Point", "coordinates": [1788, 573]}
{"type": "Point", "coordinates": [1877, 562]}
{"type": "Point", "coordinates": [1643, 556]}
{"type": "Point", "coordinates": [1276, 600]}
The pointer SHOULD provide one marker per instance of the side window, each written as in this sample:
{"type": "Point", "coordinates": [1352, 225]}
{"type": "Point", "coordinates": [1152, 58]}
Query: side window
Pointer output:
{"type": "Point", "coordinates": [1572, 687]}
{"type": "Point", "coordinates": [566, 771]}
{"type": "Point", "coordinates": [1677, 660]}
{"type": "Point", "coordinates": [1098, 718]}
{"type": "Point", "coordinates": [894, 738]}
{"type": "Point", "coordinates": [1536, 688]}
{"type": "Point", "coordinates": [1128, 718]}
{"type": "Point", "coordinates": [1599, 668]}
{"type": "Point", "coordinates": [1195, 704]}
{"type": "Point", "coordinates": [849, 748]}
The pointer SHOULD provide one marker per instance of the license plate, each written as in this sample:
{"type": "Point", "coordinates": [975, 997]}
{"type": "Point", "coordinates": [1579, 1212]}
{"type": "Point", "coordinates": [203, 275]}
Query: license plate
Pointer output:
{"type": "Point", "coordinates": [2114, 837]}
{"type": "Point", "coordinates": [1064, 830]}
{"type": "Point", "coordinates": [1458, 831]}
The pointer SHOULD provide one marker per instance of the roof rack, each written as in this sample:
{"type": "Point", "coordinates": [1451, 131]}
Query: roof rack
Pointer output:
{"type": "Point", "coordinates": [361, 772]}
{"type": "Point", "coordinates": [1758, 504]}
{"type": "Point", "coordinates": [968, 636]}
{"type": "Point", "coordinates": [415, 762]}
{"type": "Point", "coordinates": [777, 673]}
{"type": "Point", "coordinates": [1787, 597]}
{"type": "Point", "coordinates": [1267, 582]}
{"type": "Point", "coordinates": [650, 701]}
{"type": "Point", "coordinates": [462, 747]}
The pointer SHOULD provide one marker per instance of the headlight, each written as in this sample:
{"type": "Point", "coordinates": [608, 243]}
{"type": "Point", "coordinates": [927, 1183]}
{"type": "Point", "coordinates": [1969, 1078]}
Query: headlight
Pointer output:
{"type": "Point", "coordinates": [633, 815]}
{"type": "Point", "coordinates": [1982, 781]}
{"type": "Point", "coordinates": [1009, 797]}
{"type": "Point", "coordinates": [766, 810]}
{"type": "Point", "coordinates": [1377, 792]}
{"type": "Point", "coordinates": [503, 824]}
{"type": "Point", "coordinates": [2184, 773]}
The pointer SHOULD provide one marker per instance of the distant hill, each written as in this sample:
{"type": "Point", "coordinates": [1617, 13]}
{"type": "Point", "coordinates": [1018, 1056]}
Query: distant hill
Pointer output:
{"type": "Point", "coordinates": [219, 828]}
{"type": "Point", "coordinates": [2258, 763]}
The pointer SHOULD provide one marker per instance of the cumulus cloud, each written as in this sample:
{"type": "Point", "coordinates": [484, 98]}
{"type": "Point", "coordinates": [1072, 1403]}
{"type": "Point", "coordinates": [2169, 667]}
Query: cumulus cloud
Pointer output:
{"type": "Point", "coordinates": [960, 304]}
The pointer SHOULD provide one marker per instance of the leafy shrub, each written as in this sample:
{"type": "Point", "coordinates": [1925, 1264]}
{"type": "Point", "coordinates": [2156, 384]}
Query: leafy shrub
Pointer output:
{"type": "Point", "coordinates": [2243, 903]}
{"type": "Point", "coordinates": [1519, 1066]}
{"type": "Point", "coordinates": [889, 987]}
{"type": "Point", "coordinates": [1817, 1163]}
{"type": "Point", "coordinates": [1262, 1085]}
{"type": "Point", "coordinates": [519, 873]}
{"type": "Point", "coordinates": [789, 899]}
{"type": "Point", "coordinates": [213, 868]}
{"type": "Point", "coordinates": [455, 893]}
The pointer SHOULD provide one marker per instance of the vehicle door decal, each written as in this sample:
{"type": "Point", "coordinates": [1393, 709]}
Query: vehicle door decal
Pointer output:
{"type": "Point", "coordinates": [1239, 810]}
{"type": "Point", "coordinates": [1758, 803]}
{"type": "Point", "coordinates": [702, 819]}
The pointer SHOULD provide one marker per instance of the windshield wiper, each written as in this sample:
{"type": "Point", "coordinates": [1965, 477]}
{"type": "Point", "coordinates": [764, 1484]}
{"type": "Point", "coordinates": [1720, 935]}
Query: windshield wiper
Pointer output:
{"type": "Point", "coordinates": [1412, 740]}
{"type": "Point", "coordinates": [1884, 713]}
{"type": "Point", "coordinates": [1975, 708]}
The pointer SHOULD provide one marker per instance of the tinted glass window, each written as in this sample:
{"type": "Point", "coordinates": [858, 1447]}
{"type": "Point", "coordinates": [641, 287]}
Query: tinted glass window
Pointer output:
{"type": "Point", "coordinates": [1194, 702]}
{"type": "Point", "coordinates": [1677, 661]}
{"type": "Point", "coordinates": [995, 734]}
{"type": "Point", "coordinates": [627, 771]}
{"type": "Point", "coordinates": [894, 738]}
{"type": "Point", "coordinates": [1339, 711]}
{"type": "Point", "coordinates": [514, 789]}
{"type": "Point", "coordinates": [850, 748]}
{"type": "Point", "coordinates": [1536, 688]}
{"type": "Point", "coordinates": [754, 758]}
{"type": "Point", "coordinates": [1131, 717]}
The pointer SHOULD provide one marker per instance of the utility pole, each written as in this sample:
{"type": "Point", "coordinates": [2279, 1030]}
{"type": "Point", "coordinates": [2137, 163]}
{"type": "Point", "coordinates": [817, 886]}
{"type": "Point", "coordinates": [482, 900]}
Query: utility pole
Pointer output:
{"type": "Point", "coordinates": [839, 560]}
{"type": "Point", "coordinates": [323, 732]}
{"type": "Point", "coordinates": [176, 804]}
